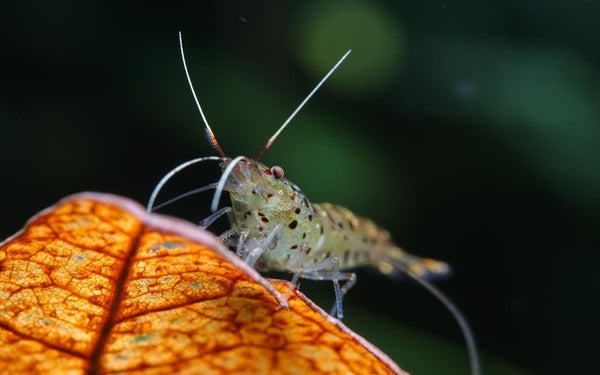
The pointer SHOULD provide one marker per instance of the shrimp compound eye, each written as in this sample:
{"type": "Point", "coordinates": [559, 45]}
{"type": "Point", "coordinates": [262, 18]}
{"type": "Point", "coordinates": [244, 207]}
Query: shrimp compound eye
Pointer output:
{"type": "Point", "coordinates": [277, 172]}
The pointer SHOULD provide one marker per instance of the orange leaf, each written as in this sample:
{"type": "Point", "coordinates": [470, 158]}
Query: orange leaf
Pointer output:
{"type": "Point", "coordinates": [97, 285]}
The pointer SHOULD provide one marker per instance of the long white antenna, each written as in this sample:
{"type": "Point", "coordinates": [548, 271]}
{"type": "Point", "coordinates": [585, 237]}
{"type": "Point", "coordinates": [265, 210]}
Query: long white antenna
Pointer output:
{"type": "Point", "coordinates": [274, 136]}
{"type": "Point", "coordinates": [211, 136]}
{"type": "Point", "coordinates": [458, 316]}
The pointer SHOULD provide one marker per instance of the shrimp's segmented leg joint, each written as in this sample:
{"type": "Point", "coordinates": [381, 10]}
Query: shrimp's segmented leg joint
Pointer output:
{"type": "Point", "coordinates": [295, 263]}
{"type": "Point", "coordinates": [320, 271]}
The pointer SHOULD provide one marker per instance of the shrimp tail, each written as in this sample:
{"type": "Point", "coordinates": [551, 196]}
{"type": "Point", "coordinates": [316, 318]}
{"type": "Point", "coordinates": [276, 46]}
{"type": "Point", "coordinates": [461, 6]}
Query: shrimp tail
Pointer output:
{"type": "Point", "coordinates": [395, 261]}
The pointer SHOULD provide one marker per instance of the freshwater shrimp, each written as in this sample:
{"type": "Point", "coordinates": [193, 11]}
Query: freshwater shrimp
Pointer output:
{"type": "Point", "coordinates": [276, 228]}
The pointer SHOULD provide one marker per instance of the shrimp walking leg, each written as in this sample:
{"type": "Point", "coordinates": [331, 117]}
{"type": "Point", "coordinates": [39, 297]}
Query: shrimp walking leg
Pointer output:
{"type": "Point", "coordinates": [295, 263]}
{"type": "Point", "coordinates": [214, 216]}
{"type": "Point", "coordinates": [322, 271]}
{"type": "Point", "coordinates": [348, 277]}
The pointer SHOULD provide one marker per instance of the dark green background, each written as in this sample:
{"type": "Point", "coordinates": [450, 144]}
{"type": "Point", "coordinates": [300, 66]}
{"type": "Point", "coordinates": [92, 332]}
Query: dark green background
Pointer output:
{"type": "Point", "coordinates": [470, 129]}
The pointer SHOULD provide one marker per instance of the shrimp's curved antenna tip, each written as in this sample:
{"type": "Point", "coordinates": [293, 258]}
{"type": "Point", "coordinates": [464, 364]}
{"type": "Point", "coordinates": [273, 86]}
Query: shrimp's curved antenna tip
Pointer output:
{"type": "Point", "coordinates": [286, 122]}
{"type": "Point", "coordinates": [458, 316]}
{"type": "Point", "coordinates": [209, 133]}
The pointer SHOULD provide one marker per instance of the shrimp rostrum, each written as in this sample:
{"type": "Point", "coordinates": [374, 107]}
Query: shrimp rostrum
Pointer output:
{"type": "Point", "coordinates": [276, 228]}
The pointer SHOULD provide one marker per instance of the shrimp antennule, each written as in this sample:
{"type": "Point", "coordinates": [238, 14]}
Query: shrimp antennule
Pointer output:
{"type": "Point", "coordinates": [171, 173]}
{"type": "Point", "coordinates": [185, 195]}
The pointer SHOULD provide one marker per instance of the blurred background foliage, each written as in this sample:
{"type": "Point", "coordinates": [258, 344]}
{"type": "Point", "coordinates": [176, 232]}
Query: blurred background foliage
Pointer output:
{"type": "Point", "coordinates": [470, 129]}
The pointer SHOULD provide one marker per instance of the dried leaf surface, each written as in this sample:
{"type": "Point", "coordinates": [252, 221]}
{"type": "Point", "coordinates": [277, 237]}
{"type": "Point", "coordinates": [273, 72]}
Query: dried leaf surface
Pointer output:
{"type": "Point", "coordinates": [96, 285]}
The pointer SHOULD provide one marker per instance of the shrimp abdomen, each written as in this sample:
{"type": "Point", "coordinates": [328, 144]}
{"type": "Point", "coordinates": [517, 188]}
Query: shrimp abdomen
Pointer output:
{"type": "Point", "coordinates": [358, 241]}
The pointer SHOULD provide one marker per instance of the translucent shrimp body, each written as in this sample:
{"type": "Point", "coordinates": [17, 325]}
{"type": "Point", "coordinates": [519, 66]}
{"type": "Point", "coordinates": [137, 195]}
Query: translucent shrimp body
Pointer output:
{"type": "Point", "coordinates": [275, 227]}
{"type": "Point", "coordinates": [263, 201]}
